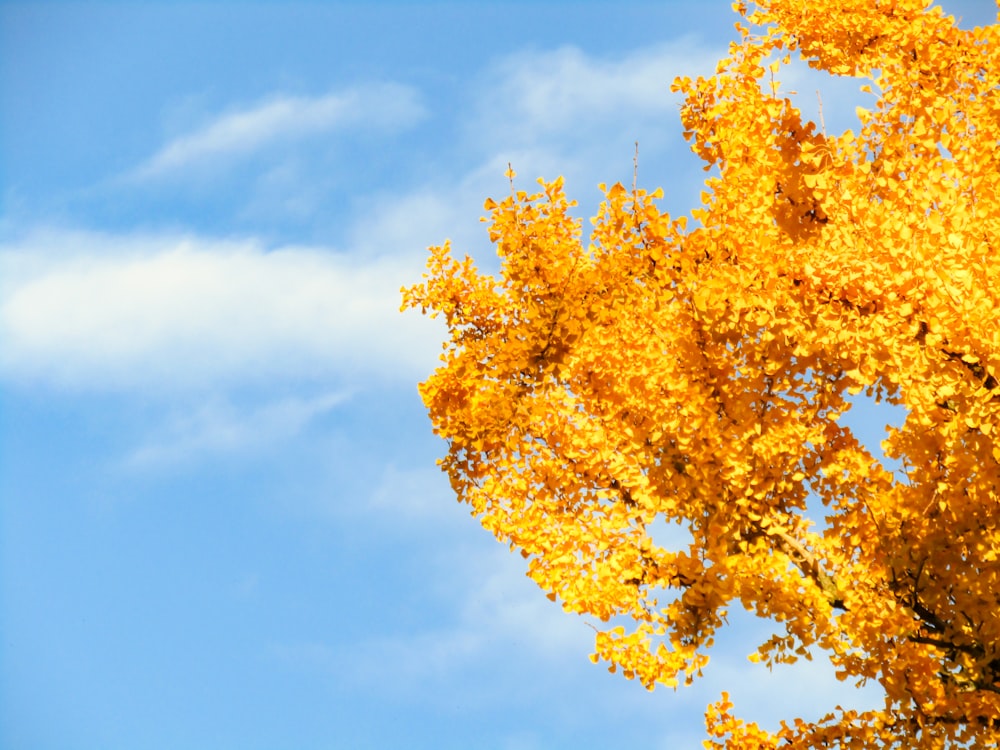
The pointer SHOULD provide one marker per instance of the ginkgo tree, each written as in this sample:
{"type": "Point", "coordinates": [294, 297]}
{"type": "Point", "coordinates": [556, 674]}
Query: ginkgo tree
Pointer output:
{"type": "Point", "coordinates": [693, 371]}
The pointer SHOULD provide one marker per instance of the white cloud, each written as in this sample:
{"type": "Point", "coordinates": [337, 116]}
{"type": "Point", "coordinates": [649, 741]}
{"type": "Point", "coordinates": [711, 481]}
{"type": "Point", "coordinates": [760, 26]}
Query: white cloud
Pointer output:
{"type": "Point", "coordinates": [281, 117]}
{"type": "Point", "coordinates": [219, 428]}
{"type": "Point", "coordinates": [154, 313]}
{"type": "Point", "coordinates": [416, 219]}
{"type": "Point", "coordinates": [568, 91]}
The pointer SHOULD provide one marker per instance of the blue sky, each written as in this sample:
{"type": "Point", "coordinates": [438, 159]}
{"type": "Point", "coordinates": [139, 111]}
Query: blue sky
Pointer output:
{"type": "Point", "coordinates": [221, 525]}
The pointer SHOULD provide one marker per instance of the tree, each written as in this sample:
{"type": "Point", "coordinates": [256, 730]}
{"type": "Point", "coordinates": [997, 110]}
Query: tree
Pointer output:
{"type": "Point", "coordinates": [695, 376]}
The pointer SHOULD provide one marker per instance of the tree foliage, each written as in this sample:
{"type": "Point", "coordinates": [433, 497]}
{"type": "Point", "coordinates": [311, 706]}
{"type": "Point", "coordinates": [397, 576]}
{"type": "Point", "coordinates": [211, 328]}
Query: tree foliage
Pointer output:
{"type": "Point", "coordinates": [693, 372]}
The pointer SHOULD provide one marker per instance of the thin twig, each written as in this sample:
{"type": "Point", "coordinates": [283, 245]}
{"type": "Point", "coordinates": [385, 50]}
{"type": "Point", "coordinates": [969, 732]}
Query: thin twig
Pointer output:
{"type": "Point", "coordinates": [635, 167]}
{"type": "Point", "coordinates": [822, 123]}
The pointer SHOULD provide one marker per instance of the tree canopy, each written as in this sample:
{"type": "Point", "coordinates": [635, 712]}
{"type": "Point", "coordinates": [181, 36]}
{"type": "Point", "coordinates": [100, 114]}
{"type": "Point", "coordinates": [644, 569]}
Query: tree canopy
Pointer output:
{"type": "Point", "coordinates": [692, 371]}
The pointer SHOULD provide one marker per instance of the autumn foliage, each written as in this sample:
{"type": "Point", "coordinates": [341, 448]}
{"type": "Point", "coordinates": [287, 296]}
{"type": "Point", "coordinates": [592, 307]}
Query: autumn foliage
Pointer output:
{"type": "Point", "coordinates": [692, 372]}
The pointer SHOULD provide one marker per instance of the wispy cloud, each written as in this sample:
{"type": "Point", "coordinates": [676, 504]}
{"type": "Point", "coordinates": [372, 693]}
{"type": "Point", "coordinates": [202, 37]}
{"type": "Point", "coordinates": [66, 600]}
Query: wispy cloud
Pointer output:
{"type": "Point", "coordinates": [419, 495]}
{"type": "Point", "coordinates": [500, 605]}
{"type": "Point", "coordinates": [152, 312]}
{"type": "Point", "coordinates": [567, 90]}
{"type": "Point", "coordinates": [219, 428]}
{"type": "Point", "coordinates": [282, 117]}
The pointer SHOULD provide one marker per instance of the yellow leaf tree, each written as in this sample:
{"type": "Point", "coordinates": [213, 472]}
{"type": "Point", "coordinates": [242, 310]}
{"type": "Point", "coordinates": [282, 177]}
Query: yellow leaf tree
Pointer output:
{"type": "Point", "coordinates": [692, 372]}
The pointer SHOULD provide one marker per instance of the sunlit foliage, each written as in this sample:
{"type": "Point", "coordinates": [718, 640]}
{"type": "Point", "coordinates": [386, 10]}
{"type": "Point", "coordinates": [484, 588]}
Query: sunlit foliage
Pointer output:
{"type": "Point", "coordinates": [693, 371]}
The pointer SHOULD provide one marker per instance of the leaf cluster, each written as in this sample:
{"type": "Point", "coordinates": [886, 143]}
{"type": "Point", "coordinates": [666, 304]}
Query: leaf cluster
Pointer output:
{"type": "Point", "coordinates": [696, 375]}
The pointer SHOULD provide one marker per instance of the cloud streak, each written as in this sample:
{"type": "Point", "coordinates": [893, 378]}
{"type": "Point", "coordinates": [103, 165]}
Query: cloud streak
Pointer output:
{"type": "Point", "coordinates": [217, 428]}
{"type": "Point", "coordinates": [151, 312]}
{"type": "Point", "coordinates": [281, 117]}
